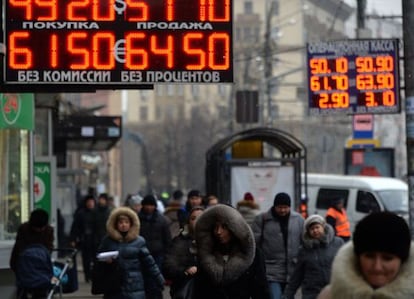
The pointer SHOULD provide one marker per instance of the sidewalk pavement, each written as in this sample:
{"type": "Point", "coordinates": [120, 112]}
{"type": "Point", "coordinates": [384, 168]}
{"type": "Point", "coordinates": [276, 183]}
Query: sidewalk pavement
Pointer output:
{"type": "Point", "coordinates": [84, 290]}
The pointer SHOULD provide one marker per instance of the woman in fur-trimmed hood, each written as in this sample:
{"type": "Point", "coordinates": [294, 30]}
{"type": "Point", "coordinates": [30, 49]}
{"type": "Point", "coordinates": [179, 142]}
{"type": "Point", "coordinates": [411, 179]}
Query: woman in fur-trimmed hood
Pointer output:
{"type": "Point", "coordinates": [377, 264]}
{"type": "Point", "coordinates": [134, 258]}
{"type": "Point", "coordinates": [229, 264]}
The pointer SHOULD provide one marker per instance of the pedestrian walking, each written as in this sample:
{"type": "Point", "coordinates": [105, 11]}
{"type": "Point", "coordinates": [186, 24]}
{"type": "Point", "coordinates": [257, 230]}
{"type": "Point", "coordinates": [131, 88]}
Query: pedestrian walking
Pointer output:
{"type": "Point", "coordinates": [101, 217]}
{"type": "Point", "coordinates": [194, 199]}
{"type": "Point", "coordinates": [156, 232]}
{"type": "Point", "coordinates": [313, 270]}
{"type": "Point", "coordinates": [171, 212]}
{"type": "Point", "coordinates": [248, 208]}
{"type": "Point", "coordinates": [377, 263]}
{"type": "Point", "coordinates": [30, 257]}
{"type": "Point", "coordinates": [229, 264]}
{"type": "Point", "coordinates": [278, 232]}
{"type": "Point", "coordinates": [83, 234]}
{"type": "Point", "coordinates": [135, 261]}
{"type": "Point", "coordinates": [180, 261]}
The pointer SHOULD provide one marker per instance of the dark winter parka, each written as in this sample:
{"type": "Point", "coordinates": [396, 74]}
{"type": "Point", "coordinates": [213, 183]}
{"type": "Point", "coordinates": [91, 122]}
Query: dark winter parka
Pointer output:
{"type": "Point", "coordinates": [134, 257]}
{"type": "Point", "coordinates": [313, 269]}
{"type": "Point", "coordinates": [155, 230]}
{"type": "Point", "coordinates": [239, 274]}
{"type": "Point", "coordinates": [180, 256]}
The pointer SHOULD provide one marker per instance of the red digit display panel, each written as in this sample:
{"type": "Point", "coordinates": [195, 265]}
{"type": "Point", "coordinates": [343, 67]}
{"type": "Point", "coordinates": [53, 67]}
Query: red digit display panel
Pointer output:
{"type": "Point", "coordinates": [353, 77]}
{"type": "Point", "coordinates": [117, 42]}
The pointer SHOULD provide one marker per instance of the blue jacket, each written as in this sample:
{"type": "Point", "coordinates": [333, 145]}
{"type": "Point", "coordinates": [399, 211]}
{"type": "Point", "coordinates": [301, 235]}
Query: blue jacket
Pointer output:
{"type": "Point", "coordinates": [134, 258]}
{"type": "Point", "coordinates": [34, 268]}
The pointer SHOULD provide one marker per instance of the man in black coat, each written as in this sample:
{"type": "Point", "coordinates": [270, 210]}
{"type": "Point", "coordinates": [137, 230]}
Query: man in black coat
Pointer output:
{"type": "Point", "coordinates": [156, 232]}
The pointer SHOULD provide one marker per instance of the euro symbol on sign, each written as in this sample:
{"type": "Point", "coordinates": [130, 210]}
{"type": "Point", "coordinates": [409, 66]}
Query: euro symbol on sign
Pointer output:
{"type": "Point", "coordinates": [119, 50]}
{"type": "Point", "coordinates": [121, 7]}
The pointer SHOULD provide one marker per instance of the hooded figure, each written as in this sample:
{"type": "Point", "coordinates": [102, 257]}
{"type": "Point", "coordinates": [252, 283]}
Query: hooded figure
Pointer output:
{"type": "Point", "coordinates": [229, 264]}
{"type": "Point", "coordinates": [134, 258]}
{"type": "Point", "coordinates": [313, 269]}
{"type": "Point", "coordinates": [377, 264]}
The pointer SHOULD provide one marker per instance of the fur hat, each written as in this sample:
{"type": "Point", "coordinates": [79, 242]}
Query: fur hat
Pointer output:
{"type": "Point", "coordinates": [38, 218]}
{"type": "Point", "coordinates": [149, 200]}
{"type": "Point", "coordinates": [282, 199]}
{"type": "Point", "coordinates": [383, 231]}
{"type": "Point", "coordinates": [314, 219]}
{"type": "Point", "coordinates": [248, 196]}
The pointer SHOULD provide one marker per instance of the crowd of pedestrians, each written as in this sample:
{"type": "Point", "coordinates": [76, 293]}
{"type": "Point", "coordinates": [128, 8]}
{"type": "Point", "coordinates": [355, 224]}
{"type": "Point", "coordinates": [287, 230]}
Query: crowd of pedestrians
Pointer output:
{"type": "Point", "coordinates": [202, 247]}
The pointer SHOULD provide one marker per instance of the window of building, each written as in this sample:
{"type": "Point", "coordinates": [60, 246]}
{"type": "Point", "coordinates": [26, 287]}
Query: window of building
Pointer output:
{"type": "Point", "coordinates": [180, 89]}
{"type": "Point", "coordinates": [14, 181]}
{"type": "Point", "coordinates": [275, 4]}
{"type": "Point", "coordinates": [248, 7]}
{"type": "Point", "coordinates": [238, 33]}
{"type": "Point", "coordinates": [221, 89]}
{"type": "Point", "coordinates": [144, 95]}
{"type": "Point", "coordinates": [170, 90]}
{"type": "Point", "coordinates": [159, 89]}
{"type": "Point", "coordinates": [195, 90]}
{"type": "Point", "coordinates": [143, 113]}
{"type": "Point", "coordinates": [247, 33]}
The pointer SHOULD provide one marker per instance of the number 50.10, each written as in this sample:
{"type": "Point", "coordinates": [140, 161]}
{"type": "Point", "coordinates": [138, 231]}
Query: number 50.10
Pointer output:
{"type": "Point", "coordinates": [100, 52]}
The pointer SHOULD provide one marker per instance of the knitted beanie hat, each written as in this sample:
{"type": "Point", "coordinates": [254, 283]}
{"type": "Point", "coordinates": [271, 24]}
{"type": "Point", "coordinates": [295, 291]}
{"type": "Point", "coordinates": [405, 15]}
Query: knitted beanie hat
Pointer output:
{"type": "Point", "coordinates": [248, 196]}
{"type": "Point", "coordinates": [385, 232]}
{"type": "Point", "coordinates": [281, 199]}
{"type": "Point", "coordinates": [149, 200]}
{"type": "Point", "coordinates": [38, 218]}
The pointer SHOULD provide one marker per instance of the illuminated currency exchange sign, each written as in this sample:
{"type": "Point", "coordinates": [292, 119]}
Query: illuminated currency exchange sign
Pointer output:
{"type": "Point", "coordinates": [117, 42]}
{"type": "Point", "coordinates": [353, 77]}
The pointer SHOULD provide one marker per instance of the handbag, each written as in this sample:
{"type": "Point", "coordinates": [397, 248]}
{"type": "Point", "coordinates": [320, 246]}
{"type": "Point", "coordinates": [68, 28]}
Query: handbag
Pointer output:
{"type": "Point", "coordinates": [186, 291]}
{"type": "Point", "coordinates": [106, 277]}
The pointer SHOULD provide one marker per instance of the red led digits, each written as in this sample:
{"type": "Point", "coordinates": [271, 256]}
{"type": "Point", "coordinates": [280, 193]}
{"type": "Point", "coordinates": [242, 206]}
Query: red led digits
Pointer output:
{"type": "Point", "coordinates": [104, 12]}
{"type": "Point", "coordinates": [170, 10]}
{"type": "Point", "coordinates": [103, 43]}
{"type": "Point", "coordinates": [333, 100]}
{"type": "Point", "coordinates": [168, 51]}
{"type": "Point", "coordinates": [135, 58]}
{"type": "Point", "coordinates": [78, 52]}
{"type": "Point", "coordinates": [187, 46]}
{"type": "Point", "coordinates": [137, 11]}
{"type": "Point", "coordinates": [214, 42]}
{"type": "Point", "coordinates": [26, 5]}
{"type": "Point", "coordinates": [54, 51]}
{"type": "Point", "coordinates": [368, 64]}
{"type": "Point", "coordinates": [327, 66]}
{"type": "Point", "coordinates": [50, 6]}
{"type": "Point", "coordinates": [208, 11]}
{"type": "Point", "coordinates": [20, 57]}
{"type": "Point", "coordinates": [75, 10]}
{"type": "Point", "coordinates": [374, 99]}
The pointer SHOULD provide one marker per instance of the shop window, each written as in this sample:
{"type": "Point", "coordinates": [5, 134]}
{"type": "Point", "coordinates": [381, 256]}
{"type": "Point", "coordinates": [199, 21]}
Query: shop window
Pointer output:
{"type": "Point", "coordinates": [14, 181]}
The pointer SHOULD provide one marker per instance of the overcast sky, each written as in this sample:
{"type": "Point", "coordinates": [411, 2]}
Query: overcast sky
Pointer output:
{"type": "Point", "coordinates": [386, 7]}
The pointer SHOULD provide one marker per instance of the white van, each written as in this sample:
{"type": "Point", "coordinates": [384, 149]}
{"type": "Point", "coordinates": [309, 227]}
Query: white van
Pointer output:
{"type": "Point", "coordinates": [361, 194]}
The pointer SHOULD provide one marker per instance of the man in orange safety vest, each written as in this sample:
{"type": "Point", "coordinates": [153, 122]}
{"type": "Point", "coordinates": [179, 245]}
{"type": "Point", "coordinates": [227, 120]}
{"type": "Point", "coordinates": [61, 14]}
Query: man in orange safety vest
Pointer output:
{"type": "Point", "coordinates": [336, 216]}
